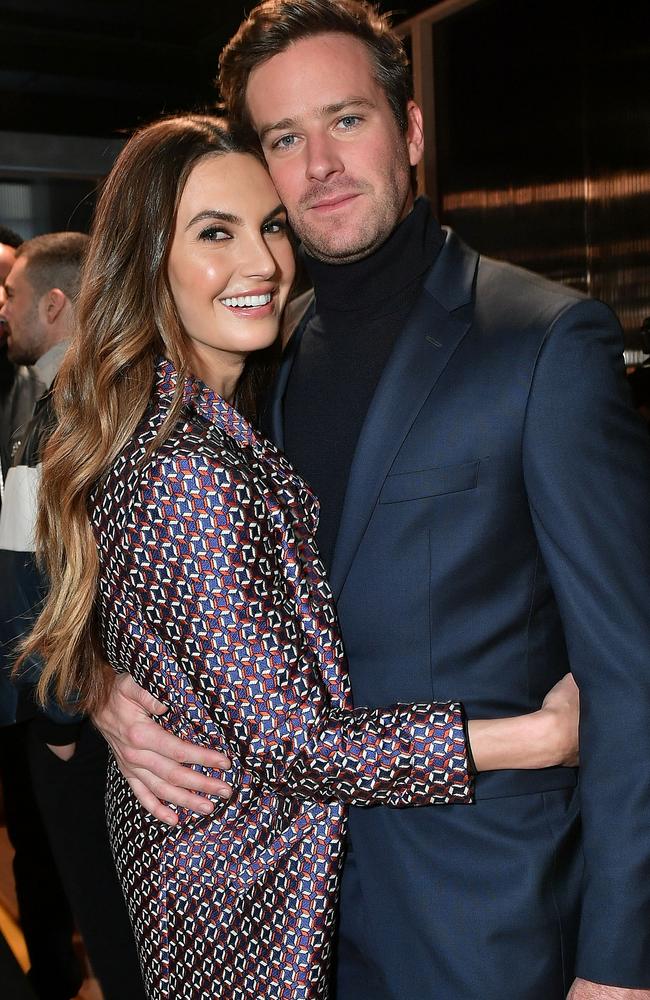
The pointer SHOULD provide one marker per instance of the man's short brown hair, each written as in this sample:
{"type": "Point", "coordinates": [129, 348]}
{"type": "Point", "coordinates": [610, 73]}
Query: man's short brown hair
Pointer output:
{"type": "Point", "coordinates": [54, 261]}
{"type": "Point", "coordinates": [274, 24]}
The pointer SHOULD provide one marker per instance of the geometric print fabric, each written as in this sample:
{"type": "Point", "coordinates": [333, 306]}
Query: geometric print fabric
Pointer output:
{"type": "Point", "coordinates": [212, 596]}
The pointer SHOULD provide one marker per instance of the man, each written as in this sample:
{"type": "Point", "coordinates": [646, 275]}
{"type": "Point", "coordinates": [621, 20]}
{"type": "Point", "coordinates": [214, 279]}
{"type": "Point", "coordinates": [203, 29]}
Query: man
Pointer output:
{"type": "Point", "coordinates": [53, 769]}
{"type": "Point", "coordinates": [18, 390]}
{"type": "Point", "coordinates": [466, 427]}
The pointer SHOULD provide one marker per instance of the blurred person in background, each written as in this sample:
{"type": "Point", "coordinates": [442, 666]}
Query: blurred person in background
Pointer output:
{"type": "Point", "coordinates": [18, 388]}
{"type": "Point", "coordinates": [53, 767]}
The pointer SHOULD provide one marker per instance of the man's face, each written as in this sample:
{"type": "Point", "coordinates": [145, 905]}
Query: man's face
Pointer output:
{"type": "Point", "coordinates": [336, 154]}
{"type": "Point", "coordinates": [21, 314]}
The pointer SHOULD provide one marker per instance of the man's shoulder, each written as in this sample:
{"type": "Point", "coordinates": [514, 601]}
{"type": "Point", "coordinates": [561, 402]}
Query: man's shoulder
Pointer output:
{"type": "Point", "coordinates": [511, 306]}
{"type": "Point", "coordinates": [294, 312]}
{"type": "Point", "coordinates": [501, 278]}
{"type": "Point", "coordinates": [509, 297]}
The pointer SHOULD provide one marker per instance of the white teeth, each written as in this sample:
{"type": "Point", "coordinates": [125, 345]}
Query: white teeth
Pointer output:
{"type": "Point", "coordinates": [248, 300]}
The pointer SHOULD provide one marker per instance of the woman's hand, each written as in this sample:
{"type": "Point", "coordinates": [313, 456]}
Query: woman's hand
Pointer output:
{"type": "Point", "coordinates": [562, 706]}
{"type": "Point", "coordinates": [546, 738]}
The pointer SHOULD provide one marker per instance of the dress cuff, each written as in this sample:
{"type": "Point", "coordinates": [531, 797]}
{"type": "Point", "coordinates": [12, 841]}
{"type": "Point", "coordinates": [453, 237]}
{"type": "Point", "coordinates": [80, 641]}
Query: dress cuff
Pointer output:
{"type": "Point", "coordinates": [439, 748]}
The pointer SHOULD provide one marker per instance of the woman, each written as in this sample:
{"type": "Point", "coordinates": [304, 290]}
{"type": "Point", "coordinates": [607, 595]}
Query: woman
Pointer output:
{"type": "Point", "coordinates": [180, 547]}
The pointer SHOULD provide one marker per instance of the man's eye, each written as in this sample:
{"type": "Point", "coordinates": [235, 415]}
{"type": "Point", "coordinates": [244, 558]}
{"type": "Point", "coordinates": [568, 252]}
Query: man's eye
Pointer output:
{"type": "Point", "coordinates": [213, 234]}
{"type": "Point", "coordinates": [284, 142]}
{"type": "Point", "coordinates": [349, 121]}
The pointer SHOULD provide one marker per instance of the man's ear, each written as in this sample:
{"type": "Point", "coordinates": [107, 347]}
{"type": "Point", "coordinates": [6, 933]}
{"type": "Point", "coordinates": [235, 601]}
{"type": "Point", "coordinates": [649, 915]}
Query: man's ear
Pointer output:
{"type": "Point", "coordinates": [52, 304]}
{"type": "Point", "coordinates": [414, 133]}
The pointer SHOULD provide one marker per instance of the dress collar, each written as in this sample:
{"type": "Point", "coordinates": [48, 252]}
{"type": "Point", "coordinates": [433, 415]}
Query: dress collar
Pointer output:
{"type": "Point", "coordinates": [203, 400]}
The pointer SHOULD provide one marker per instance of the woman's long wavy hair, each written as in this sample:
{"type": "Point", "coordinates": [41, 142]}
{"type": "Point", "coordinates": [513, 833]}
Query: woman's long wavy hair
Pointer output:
{"type": "Point", "coordinates": [126, 318]}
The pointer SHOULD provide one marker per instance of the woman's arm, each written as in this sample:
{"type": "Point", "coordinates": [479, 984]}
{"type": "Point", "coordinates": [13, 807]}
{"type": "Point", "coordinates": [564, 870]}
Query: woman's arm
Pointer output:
{"type": "Point", "coordinates": [153, 760]}
{"type": "Point", "coordinates": [268, 709]}
{"type": "Point", "coordinates": [544, 738]}
{"type": "Point", "coordinates": [226, 625]}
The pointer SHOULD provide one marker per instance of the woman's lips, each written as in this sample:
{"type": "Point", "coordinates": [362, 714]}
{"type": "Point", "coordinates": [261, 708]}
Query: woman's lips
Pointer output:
{"type": "Point", "coordinates": [238, 306]}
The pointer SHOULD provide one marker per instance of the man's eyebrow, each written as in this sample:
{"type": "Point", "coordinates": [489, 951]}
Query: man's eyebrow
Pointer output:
{"type": "Point", "coordinates": [214, 215]}
{"type": "Point", "coordinates": [323, 112]}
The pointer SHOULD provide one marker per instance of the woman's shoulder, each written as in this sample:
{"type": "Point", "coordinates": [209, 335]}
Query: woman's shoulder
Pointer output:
{"type": "Point", "coordinates": [191, 456]}
{"type": "Point", "coordinates": [194, 455]}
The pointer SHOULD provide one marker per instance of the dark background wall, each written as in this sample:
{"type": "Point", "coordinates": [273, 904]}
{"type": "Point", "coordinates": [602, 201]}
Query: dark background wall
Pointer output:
{"type": "Point", "coordinates": [543, 140]}
{"type": "Point", "coordinates": [542, 119]}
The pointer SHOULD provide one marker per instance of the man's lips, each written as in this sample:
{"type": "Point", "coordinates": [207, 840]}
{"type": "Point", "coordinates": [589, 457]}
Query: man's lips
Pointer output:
{"type": "Point", "coordinates": [336, 201]}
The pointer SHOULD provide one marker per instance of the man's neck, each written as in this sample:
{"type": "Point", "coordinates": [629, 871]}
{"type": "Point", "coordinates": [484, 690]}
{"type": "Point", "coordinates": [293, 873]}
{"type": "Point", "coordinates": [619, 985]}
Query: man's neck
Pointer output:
{"type": "Point", "coordinates": [49, 363]}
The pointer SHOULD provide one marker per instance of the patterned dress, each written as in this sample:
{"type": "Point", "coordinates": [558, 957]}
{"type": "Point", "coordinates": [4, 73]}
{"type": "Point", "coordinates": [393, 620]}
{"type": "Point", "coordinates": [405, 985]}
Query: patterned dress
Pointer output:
{"type": "Point", "coordinates": [212, 596]}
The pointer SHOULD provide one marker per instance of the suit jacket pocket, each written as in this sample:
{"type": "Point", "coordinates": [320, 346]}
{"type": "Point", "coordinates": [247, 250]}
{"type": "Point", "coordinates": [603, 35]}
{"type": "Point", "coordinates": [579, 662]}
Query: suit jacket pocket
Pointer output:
{"type": "Point", "coordinates": [430, 482]}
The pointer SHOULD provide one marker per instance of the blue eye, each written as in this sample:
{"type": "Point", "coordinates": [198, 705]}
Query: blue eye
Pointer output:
{"type": "Point", "coordinates": [284, 142]}
{"type": "Point", "coordinates": [349, 121]}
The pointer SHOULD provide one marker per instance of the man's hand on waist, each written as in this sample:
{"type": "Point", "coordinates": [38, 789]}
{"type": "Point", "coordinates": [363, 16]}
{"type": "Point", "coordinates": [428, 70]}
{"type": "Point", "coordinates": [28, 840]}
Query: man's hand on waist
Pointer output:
{"type": "Point", "coordinates": [153, 760]}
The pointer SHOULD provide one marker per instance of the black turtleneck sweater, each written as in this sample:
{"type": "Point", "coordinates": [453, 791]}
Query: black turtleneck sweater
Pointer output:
{"type": "Point", "coordinates": [360, 310]}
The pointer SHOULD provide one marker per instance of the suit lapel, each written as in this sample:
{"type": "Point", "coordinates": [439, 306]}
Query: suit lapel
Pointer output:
{"type": "Point", "coordinates": [275, 419]}
{"type": "Point", "coordinates": [431, 335]}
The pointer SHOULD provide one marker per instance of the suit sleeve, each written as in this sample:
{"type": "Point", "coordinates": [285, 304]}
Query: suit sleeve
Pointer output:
{"type": "Point", "coordinates": [255, 688]}
{"type": "Point", "coordinates": [587, 473]}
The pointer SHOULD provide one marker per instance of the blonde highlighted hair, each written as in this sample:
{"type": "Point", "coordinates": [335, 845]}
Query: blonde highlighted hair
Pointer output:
{"type": "Point", "coordinates": [126, 318]}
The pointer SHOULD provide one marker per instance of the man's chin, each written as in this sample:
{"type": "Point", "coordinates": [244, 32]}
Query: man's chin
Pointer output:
{"type": "Point", "coordinates": [18, 359]}
{"type": "Point", "coordinates": [337, 248]}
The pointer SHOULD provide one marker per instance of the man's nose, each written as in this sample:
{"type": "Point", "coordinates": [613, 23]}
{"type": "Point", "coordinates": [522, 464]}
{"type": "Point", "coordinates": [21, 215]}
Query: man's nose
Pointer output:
{"type": "Point", "coordinates": [323, 158]}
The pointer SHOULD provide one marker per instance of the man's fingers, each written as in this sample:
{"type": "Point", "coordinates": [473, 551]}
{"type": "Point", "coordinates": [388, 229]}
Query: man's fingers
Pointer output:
{"type": "Point", "coordinates": [128, 688]}
{"type": "Point", "coordinates": [152, 804]}
{"type": "Point", "coordinates": [180, 797]}
{"type": "Point", "coordinates": [152, 768]}
{"type": "Point", "coordinates": [154, 761]}
{"type": "Point", "coordinates": [181, 776]}
{"type": "Point", "coordinates": [147, 737]}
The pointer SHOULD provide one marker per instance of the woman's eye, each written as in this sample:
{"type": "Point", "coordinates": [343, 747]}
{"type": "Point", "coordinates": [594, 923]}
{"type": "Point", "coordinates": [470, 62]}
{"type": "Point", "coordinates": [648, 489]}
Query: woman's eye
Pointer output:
{"type": "Point", "coordinates": [213, 234]}
{"type": "Point", "coordinates": [274, 226]}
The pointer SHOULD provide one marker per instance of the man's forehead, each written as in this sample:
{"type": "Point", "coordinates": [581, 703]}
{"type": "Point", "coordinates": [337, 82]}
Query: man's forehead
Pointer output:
{"type": "Point", "coordinates": [310, 75]}
{"type": "Point", "coordinates": [18, 275]}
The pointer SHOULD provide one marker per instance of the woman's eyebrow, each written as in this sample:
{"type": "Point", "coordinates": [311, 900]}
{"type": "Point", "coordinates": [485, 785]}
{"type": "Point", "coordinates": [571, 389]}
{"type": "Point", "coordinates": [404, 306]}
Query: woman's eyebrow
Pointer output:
{"type": "Point", "coordinates": [214, 214]}
{"type": "Point", "coordinates": [278, 210]}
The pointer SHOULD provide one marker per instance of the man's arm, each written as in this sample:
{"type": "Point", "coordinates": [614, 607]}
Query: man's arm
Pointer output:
{"type": "Point", "coordinates": [587, 474]}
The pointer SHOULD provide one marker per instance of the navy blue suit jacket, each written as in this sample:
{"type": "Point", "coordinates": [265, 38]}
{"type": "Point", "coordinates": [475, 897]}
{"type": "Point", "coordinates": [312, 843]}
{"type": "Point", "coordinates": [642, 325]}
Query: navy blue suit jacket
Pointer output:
{"type": "Point", "coordinates": [495, 535]}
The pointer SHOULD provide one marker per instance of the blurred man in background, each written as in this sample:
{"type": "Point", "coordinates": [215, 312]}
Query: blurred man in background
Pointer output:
{"type": "Point", "coordinates": [54, 766]}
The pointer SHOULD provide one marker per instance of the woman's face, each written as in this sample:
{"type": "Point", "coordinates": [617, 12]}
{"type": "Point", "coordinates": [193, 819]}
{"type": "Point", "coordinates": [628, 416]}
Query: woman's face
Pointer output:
{"type": "Point", "coordinates": [230, 264]}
